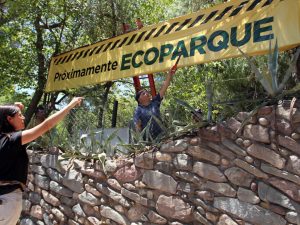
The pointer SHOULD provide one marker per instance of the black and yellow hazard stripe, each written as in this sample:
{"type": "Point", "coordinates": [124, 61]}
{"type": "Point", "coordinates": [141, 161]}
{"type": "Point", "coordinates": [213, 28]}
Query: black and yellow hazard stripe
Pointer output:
{"type": "Point", "coordinates": [196, 19]}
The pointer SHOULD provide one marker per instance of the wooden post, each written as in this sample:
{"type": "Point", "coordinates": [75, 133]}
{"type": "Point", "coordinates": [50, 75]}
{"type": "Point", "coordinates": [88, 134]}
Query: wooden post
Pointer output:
{"type": "Point", "coordinates": [114, 114]}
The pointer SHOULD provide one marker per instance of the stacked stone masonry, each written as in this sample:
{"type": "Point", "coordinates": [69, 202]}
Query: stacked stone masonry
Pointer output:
{"type": "Point", "coordinates": [222, 175]}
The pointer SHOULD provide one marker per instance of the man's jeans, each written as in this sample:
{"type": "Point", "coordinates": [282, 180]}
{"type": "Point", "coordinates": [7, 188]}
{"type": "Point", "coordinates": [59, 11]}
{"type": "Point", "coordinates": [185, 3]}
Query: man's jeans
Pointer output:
{"type": "Point", "coordinates": [10, 207]}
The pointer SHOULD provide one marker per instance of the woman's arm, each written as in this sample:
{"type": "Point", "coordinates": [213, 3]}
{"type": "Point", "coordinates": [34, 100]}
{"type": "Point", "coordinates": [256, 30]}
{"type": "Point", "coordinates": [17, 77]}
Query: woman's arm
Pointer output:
{"type": "Point", "coordinates": [37, 131]}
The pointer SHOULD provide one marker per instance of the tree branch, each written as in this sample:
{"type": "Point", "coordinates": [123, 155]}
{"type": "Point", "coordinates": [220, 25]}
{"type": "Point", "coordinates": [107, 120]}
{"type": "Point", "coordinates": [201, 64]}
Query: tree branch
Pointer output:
{"type": "Point", "coordinates": [52, 26]}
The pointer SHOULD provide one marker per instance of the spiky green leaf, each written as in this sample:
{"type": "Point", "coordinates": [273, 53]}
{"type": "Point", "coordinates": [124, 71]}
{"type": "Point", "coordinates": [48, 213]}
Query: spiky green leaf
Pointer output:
{"type": "Point", "coordinates": [289, 71]}
{"type": "Point", "coordinates": [259, 76]}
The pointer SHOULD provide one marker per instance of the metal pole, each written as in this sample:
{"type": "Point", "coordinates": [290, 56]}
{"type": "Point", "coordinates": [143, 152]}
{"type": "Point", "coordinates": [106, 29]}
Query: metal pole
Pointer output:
{"type": "Point", "coordinates": [114, 114]}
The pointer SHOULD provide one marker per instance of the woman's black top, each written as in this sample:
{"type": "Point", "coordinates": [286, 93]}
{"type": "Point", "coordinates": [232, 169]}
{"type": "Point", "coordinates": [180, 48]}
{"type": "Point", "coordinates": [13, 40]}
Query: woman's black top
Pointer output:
{"type": "Point", "coordinates": [13, 158]}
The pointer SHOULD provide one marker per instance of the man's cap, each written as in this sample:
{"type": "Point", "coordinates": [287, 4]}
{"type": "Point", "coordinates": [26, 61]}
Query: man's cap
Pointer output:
{"type": "Point", "coordinates": [197, 112]}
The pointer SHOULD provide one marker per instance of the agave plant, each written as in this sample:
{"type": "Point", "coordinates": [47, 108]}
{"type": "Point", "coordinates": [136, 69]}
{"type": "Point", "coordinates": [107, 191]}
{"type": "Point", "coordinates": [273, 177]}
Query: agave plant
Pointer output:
{"type": "Point", "coordinates": [90, 148]}
{"type": "Point", "coordinates": [269, 78]}
{"type": "Point", "coordinates": [188, 107]}
{"type": "Point", "coordinates": [140, 141]}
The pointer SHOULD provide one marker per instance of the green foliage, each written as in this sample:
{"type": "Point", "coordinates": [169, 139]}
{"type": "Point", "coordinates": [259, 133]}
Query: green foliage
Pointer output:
{"type": "Point", "coordinates": [151, 11]}
{"type": "Point", "coordinates": [94, 142]}
{"type": "Point", "coordinates": [189, 108]}
{"type": "Point", "coordinates": [188, 86]}
{"type": "Point", "coordinates": [81, 22]}
{"type": "Point", "coordinates": [269, 76]}
{"type": "Point", "coordinates": [176, 128]}
{"type": "Point", "coordinates": [78, 137]}
{"type": "Point", "coordinates": [180, 7]}
{"type": "Point", "coordinates": [269, 79]}
{"type": "Point", "coordinates": [171, 129]}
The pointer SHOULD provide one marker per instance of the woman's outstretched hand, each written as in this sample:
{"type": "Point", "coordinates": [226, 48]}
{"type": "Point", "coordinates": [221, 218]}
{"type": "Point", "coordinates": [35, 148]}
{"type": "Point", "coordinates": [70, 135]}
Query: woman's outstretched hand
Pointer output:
{"type": "Point", "coordinates": [20, 105]}
{"type": "Point", "coordinates": [76, 101]}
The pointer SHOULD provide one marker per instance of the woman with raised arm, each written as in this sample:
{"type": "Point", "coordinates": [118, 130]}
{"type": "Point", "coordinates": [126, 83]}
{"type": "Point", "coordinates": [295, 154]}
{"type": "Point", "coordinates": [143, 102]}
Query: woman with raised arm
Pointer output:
{"type": "Point", "coordinates": [13, 156]}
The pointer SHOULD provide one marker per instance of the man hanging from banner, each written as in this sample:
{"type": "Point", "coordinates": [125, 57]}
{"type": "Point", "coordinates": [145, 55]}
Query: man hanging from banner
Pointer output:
{"type": "Point", "coordinates": [147, 114]}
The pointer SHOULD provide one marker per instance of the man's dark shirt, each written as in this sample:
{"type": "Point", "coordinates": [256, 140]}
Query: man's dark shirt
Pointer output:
{"type": "Point", "coordinates": [145, 114]}
{"type": "Point", "coordinates": [13, 158]}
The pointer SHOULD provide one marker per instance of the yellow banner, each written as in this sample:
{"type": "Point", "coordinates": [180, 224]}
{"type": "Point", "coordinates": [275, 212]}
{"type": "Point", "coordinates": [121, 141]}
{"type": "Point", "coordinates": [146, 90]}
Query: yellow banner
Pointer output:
{"type": "Point", "coordinates": [200, 37]}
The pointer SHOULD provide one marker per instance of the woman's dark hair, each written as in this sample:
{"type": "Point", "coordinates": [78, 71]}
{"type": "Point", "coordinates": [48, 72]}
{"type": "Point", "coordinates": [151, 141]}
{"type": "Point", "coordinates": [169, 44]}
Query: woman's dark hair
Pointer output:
{"type": "Point", "coordinates": [7, 110]}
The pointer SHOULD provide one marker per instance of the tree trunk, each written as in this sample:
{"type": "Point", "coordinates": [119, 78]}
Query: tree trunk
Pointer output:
{"type": "Point", "coordinates": [107, 87]}
{"type": "Point", "coordinates": [109, 84]}
{"type": "Point", "coordinates": [41, 71]}
{"type": "Point", "coordinates": [114, 18]}
{"type": "Point", "coordinates": [298, 68]}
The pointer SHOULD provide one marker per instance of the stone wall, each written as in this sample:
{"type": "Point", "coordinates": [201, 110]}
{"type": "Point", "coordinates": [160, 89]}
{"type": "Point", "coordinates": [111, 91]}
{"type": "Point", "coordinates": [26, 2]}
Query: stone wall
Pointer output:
{"type": "Point", "coordinates": [218, 176]}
